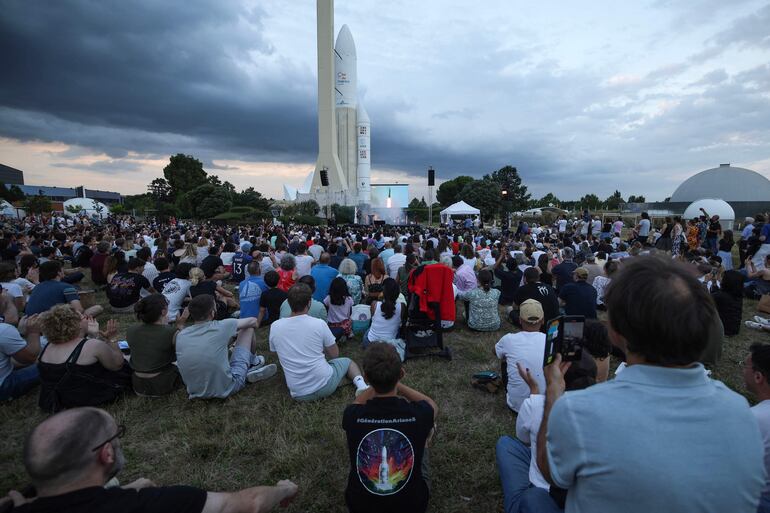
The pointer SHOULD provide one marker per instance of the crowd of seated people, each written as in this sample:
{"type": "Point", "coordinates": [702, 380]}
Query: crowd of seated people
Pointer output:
{"type": "Point", "coordinates": [195, 298]}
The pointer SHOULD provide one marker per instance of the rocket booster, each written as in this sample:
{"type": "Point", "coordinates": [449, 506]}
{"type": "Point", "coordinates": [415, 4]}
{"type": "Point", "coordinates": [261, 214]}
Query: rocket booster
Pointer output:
{"type": "Point", "coordinates": [345, 66]}
{"type": "Point", "coordinates": [364, 129]}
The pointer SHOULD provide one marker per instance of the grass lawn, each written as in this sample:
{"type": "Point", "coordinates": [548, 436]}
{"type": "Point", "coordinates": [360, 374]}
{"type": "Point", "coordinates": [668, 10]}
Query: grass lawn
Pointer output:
{"type": "Point", "coordinates": [261, 436]}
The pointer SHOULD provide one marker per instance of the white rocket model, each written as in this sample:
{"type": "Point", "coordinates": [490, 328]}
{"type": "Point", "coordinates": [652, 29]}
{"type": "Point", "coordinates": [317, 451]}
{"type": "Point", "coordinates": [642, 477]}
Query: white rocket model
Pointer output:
{"type": "Point", "coordinates": [344, 129]}
{"type": "Point", "coordinates": [384, 471]}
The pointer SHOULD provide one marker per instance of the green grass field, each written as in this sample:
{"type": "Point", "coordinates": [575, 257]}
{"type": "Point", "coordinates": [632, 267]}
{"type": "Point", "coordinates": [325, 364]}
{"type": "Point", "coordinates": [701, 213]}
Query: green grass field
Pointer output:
{"type": "Point", "coordinates": [261, 436]}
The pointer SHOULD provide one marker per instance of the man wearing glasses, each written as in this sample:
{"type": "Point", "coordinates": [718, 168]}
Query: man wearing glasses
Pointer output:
{"type": "Point", "coordinates": [73, 454]}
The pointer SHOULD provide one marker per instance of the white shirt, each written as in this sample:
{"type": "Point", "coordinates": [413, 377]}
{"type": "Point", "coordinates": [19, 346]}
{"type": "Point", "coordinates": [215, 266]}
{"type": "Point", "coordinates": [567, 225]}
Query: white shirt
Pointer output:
{"type": "Point", "coordinates": [644, 227]}
{"type": "Point", "coordinates": [175, 291]}
{"type": "Point", "coordinates": [13, 289]}
{"type": "Point", "coordinates": [299, 342]}
{"type": "Point", "coordinates": [562, 225]}
{"type": "Point", "coordinates": [395, 263]}
{"type": "Point", "coordinates": [315, 251]}
{"type": "Point", "coordinates": [527, 427]}
{"type": "Point", "coordinates": [382, 329]}
{"type": "Point", "coordinates": [150, 272]}
{"type": "Point", "coordinates": [304, 263]}
{"type": "Point", "coordinates": [527, 347]}
{"type": "Point", "coordinates": [762, 413]}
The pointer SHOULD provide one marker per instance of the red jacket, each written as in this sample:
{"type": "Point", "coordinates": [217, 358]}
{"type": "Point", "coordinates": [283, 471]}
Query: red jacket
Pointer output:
{"type": "Point", "coordinates": [434, 285]}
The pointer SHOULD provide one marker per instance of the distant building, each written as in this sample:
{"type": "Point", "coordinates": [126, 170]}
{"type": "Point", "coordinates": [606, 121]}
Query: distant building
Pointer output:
{"type": "Point", "coordinates": [11, 176]}
{"type": "Point", "coordinates": [62, 194]}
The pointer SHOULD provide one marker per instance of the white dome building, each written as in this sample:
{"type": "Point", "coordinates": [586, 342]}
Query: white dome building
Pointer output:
{"type": "Point", "coordinates": [726, 182]}
{"type": "Point", "coordinates": [714, 207]}
{"type": "Point", "coordinates": [89, 206]}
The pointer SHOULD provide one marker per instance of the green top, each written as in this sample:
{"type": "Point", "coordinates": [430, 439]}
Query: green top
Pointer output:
{"type": "Point", "coordinates": [152, 346]}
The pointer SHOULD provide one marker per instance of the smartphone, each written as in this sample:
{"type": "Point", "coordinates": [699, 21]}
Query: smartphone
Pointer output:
{"type": "Point", "coordinates": [552, 340]}
{"type": "Point", "coordinates": [572, 339]}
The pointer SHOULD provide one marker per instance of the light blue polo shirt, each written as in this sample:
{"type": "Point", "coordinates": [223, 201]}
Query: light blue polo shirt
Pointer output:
{"type": "Point", "coordinates": [656, 439]}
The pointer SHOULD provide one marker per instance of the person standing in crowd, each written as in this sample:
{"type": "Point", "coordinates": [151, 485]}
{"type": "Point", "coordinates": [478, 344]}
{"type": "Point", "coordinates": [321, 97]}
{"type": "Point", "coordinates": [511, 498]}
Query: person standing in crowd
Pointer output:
{"type": "Point", "coordinates": [642, 229]}
{"type": "Point", "coordinates": [662, 390]}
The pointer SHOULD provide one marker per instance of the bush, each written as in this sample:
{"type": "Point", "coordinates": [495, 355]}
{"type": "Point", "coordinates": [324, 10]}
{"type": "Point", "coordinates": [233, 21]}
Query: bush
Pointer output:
{"type": "Point", "coordinates": [229, 216]}
{"type": "Point", "coordinates": [242, 210]}
{"type": "Point", "coordinates": [302, 219]}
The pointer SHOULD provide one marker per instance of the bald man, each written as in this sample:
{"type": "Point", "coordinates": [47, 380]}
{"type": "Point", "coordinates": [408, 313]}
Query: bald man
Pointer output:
{"type": "Point", "coordinates": [71, 455]}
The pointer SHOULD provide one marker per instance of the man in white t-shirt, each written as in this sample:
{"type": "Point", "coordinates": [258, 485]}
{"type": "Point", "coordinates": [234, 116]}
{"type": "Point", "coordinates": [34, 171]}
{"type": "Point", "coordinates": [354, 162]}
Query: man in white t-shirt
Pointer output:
{"type": "Point", "coordinates": [177, 290]}
{"type": "Point", "coordinates": [756, 372]}
{"type": "Point", "coordinates": [303, 261]}
{"type": "Point", "coordinates": [562, 224]}
{"type": "Point", "coordinates": [303, 343]}
{"type": "Point", "coordinates": [526, 347]}
{"type": "Point", "coordinates": [396, 261]}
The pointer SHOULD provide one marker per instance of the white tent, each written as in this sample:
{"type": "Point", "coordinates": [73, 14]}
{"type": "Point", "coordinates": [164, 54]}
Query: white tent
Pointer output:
{"type": "Point", "coordinates": [7, 209]}
{"type": "Point", "coordinates": [88, 206]}
{"type": "Point", "coordinates": [714, 207]}
{"type": "Point", "coordinates": [460, 208]}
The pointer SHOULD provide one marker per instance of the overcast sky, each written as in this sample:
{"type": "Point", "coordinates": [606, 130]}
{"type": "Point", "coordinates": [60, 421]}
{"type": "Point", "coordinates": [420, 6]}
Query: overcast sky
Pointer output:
{"type": "Point", "coordinates": [580, 96]}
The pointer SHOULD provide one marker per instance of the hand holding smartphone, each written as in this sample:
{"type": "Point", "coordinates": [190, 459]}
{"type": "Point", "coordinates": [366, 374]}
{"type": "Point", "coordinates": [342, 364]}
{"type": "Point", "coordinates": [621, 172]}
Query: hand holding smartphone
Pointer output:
{"type": "Point", "coordinates": [564, 335]}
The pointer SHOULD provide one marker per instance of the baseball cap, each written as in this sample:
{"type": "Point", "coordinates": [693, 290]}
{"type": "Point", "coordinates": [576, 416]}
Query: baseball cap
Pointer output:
{"type": "Point", "coordinates": [582, 273]}
{"type": "Point", "coordinates": [531, 310]}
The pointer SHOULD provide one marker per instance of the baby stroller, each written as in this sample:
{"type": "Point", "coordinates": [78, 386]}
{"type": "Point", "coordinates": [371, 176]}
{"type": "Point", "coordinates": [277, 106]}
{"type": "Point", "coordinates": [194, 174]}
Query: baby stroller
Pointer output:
{"type": "Point", "coordinates": [424, 336]}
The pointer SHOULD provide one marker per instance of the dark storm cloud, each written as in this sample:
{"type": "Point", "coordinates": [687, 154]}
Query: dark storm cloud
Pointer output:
{"type": "Point", "coordinates": [135, 76]}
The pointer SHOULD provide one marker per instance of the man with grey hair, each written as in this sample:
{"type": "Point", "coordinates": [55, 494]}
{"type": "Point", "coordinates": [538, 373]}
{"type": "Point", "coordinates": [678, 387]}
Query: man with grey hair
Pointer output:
{"type": "Point", "coordinates": [73, 454]}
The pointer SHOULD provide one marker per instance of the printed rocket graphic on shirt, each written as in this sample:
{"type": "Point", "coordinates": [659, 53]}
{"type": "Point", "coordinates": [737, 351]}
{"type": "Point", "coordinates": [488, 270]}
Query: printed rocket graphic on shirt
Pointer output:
{"type": "Point", "coordinates": [384, 461]}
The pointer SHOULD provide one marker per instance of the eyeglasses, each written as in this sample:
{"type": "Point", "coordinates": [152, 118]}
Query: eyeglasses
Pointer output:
{"type": "Point", "coordinates": [119, 434]}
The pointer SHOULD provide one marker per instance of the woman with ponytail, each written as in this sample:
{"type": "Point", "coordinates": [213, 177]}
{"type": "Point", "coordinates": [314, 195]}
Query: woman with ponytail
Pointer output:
{"type": "Point", "coordinates": [200, 285]}
{"type": "Point", "coordinates": [482, 311]}
{"type": "Point", "coordinates": [387, 315]}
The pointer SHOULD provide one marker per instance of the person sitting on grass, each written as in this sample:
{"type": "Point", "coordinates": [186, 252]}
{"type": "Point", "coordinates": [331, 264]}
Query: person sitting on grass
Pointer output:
{"type": "Point", "coordinates": [317, 308]}
{"type": "Point", "coordinates": [250, 291]}
{"type": "Point", "coordinates": [124, 290]}
{"type": "Point", "coordinates": [17, 381]}
{"type": "Point", "coordinates": [387, 315]}
{"type": "Point", "coordinates": [270, 300]}
{"type": "Point", "coordinates": [81, 365]}
{"type": "Point", "coordinates": [164, 275]}
{"type": "Point", "coordinates": [526, 347]}
{"type": "Point", "coordinates": [152, 347]}
{"type": "Point", "coordinates": [348, 272]}
{"type": "Point", "coordinates": [756, 376]}
{"type": "Point", "coordinates": [303, 343]}
{"type": "Point", "coordinates": [201, 353]}
{"type": "Point", "coordinates": [483, 314]}
{"type": "Point", "coordinates": [201, 284]}
{"type": "Point", "coordinates": [729, 301]}
{"type": "Point", "coordinates": [51, 291]}
{"type": "Point", "coordinates": [287, 272]}
{"type": "Point", "coordinates": [71, 456]}
{"type": "Point", "coordinates": [388, 429]}
{"type": "Point", "coordinates": [177, 291]}
{"type": "Point", "coordinates": [340, 307]}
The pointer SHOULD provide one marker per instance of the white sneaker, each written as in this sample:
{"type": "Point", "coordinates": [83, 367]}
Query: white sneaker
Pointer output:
{"type": "Point", "coordinates": [257, 360]}
{"type": "Point", "coordinates": [761, 320]}
{"type": "Point", "coordinates": [261, 373]}
{"type": "Point", "coordinates": [753, 325]}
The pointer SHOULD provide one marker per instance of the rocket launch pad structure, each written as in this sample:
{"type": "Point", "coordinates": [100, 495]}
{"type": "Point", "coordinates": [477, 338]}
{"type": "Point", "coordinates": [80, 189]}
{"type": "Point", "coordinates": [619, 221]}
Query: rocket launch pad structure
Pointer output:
{"type": "Point", "coordinates": [344, 128]}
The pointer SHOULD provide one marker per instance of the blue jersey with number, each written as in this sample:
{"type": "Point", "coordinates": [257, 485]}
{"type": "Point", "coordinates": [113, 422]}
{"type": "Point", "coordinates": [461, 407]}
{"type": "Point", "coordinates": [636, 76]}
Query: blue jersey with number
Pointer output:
{"type": "Point", "coordinates": [240, 261]}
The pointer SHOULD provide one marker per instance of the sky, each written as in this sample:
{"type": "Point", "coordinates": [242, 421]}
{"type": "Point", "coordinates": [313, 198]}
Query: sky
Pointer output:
{"type": "Point", "coordinates": [582, 97]}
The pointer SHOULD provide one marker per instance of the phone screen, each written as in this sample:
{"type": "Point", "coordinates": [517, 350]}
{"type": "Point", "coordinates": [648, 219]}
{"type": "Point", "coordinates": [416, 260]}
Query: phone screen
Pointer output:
{"type": "Point", "coordinates": [572, 347]}
{"type": "Point", "coordinates": [551, 341]}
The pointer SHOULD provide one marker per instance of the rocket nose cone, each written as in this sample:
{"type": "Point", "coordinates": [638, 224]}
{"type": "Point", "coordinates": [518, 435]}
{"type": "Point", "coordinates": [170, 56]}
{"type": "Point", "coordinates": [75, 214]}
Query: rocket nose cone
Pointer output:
{"type": "Point", "coordinates": [345, 43]}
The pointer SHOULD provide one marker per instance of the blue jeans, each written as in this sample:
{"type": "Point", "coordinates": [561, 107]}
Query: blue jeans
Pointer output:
{"type": "Point", "coordinates": [19, 382]}
{"type": "Point", "coordinates": [519, 495]}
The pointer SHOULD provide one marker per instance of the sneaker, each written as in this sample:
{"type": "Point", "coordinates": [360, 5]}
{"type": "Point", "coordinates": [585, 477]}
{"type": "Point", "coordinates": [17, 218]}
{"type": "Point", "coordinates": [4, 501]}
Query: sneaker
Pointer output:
{"type": "Point", "coordinates": [761, 320]}
{"type": "Point", "coordinates": [753, 325]}
{"type": "Point", "coordinates": [257, 360]}
{"type": "Point", "coordinates": [261, 373]}
{"type": "Point", "coordinates": [360, 391]}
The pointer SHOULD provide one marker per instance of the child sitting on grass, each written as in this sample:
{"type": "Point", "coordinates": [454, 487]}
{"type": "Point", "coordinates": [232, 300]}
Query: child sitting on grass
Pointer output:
{"type": "Point", "coordinates": [339, 304]}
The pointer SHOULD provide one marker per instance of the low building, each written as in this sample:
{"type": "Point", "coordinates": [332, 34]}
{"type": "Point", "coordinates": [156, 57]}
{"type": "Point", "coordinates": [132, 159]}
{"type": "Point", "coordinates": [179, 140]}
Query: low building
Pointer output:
{"type": "Point", "coordinates": [11, 176]}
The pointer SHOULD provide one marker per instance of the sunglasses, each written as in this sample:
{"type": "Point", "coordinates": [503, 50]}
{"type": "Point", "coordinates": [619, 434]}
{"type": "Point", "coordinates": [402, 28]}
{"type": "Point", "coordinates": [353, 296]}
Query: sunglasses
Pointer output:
{"type": "Point", "coordinates": [119, 434]}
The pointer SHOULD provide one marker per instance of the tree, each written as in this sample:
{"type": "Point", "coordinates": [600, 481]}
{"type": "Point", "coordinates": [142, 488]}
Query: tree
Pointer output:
{"type": "Point", "coordinates": [484, 195]}
{"type": "Point", "coordinates": [614, 201]}
{"type": "Point", "coordinates": [183, 174]}
{"type": "Point", "coordinates": [508, 177]}
{"type": "Point", "coordinates": [549, 200]}
{"type": "Point", "coordinates": [37, 204]}
{"type": "Point", "coordinates": [117, 209]}
{"type": "Point", "coordinates": [302, 208]}
{"type": "Point", "coordinates": [343, 214]}
{"type": "Point", "coordinates": [159, 189]}
{"type": "Point", "coordinates": [636, 199]}
{"type": "Point", "coordinates": [11, 194]}
{"type": "Point", "coordinates": [205, 201]}
{"type": "Point", "coordinates": [590, 201]}
{"type": "Point", "coordinates": [449, 191]}
{"type": "Point", "coordinates": [252, 198]}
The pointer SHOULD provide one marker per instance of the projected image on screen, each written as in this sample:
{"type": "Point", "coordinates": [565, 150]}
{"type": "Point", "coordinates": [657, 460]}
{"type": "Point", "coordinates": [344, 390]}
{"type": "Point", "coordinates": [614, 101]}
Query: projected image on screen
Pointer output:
{"type": "Point", "coordinates": [390, 195]}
